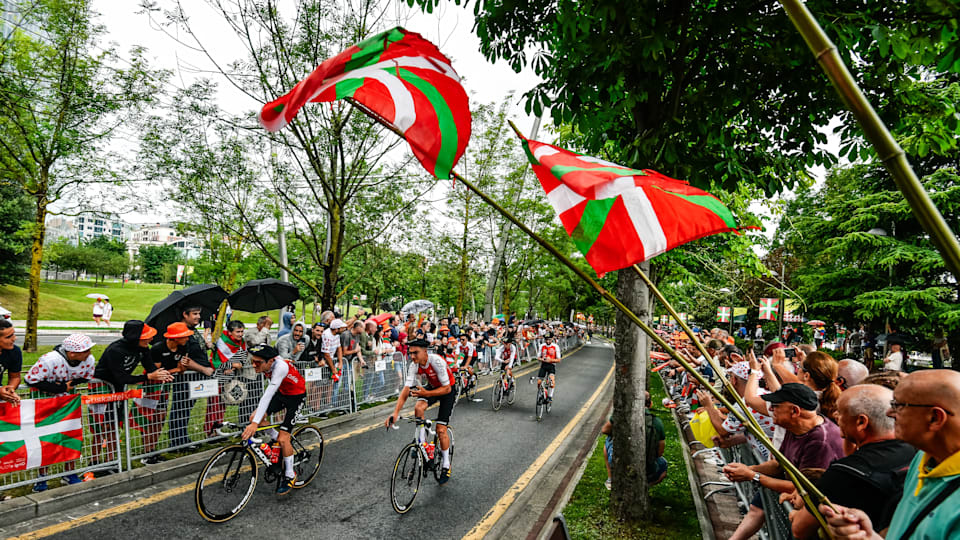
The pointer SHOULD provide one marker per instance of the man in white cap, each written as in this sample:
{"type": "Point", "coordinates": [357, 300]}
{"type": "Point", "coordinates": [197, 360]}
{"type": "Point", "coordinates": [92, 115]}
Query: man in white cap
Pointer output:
{"type": "Point", "coordinates": [58, 373]}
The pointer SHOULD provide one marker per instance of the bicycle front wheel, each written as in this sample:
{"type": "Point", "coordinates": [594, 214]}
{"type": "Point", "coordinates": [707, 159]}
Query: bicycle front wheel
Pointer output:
{"type": "Point", "coordinates": [438, 456]}
{"type": "Point", "coordinates": [540, 403]}
{"type": "Point", "coordinates": [308, 454]}
{"type": "Point", "coordinates": [407, 474]}
{"type": "Point", "coordinates": [497, 394]}
{"type": "Point", "coordinates": [226, 484]}
{"type": "Point", "coordinates": [512, 393]}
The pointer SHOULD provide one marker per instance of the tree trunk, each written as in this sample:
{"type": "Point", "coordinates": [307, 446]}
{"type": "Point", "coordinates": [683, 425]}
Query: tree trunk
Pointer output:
{"type": "Point", "coordinates": [462, 286]}
{"type": "Point", "coordinates": [331, 271]}
{"type": "Point", "coordinates": [629, 495]}
{"type": "Point", "coordinates": [36, 258]}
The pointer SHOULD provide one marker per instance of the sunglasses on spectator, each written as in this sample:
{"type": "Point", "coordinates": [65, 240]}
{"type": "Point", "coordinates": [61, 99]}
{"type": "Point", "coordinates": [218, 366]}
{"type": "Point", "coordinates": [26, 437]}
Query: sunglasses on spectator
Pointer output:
{"type": "Point", "coordinates": [896, 406]}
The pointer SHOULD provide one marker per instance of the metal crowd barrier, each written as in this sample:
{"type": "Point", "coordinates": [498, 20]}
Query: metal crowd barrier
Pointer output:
{"type": "Point", "coordinates": [100, 448]}
{"type": "Point", "coordinates": [382, 379]}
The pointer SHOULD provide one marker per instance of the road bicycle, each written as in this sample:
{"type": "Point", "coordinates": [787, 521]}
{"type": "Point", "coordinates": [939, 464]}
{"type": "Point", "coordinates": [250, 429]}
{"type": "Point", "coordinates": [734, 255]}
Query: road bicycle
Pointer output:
{"type": "Point", "coordinates": [465, 384]}
{"type": "Point", "coordinates": [226, 483]}
{"type": "Point", "coordinates": [544, 403]}
{"type": "Point", "coordinates": [504, 388]}
{"type": "Point", "coordinates": [414, 463]}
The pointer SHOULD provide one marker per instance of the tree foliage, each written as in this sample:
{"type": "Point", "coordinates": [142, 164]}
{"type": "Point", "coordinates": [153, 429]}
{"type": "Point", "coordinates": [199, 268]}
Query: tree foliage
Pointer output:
{"type": "Point", "coordinates": [153, 260]}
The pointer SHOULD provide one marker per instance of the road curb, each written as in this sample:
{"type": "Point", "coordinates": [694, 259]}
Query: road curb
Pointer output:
{"type": "Point", "coordinates": [36, 505]}
{"type": "Point", "coordinates": [532, 511]}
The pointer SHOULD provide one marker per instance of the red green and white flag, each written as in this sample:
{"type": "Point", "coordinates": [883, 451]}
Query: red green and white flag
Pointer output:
{"type": "Point", "coordinates": [618, 216]}
{"type": "Point", "coordinates": [40, 432]}
{"type": "Point", "coordinates": [723, 314]}
{"type": "Point", "coordinates": [399, 77]}
{"type": "Point", "coordinates": [226, 348]}
{"type": "Point", "coordinates": [769, 308]}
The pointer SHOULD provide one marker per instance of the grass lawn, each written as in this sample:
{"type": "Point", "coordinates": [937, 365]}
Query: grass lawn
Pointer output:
{"type": "Point", "coordinates": [672, 514]}
{"type": "Point", "coordinates": [67, 301]}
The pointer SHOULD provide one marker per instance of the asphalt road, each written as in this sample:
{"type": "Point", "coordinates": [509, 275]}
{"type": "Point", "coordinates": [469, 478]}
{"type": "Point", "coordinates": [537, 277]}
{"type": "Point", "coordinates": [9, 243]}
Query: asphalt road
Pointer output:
{"type": "Point", "coordinates": [349, 498]}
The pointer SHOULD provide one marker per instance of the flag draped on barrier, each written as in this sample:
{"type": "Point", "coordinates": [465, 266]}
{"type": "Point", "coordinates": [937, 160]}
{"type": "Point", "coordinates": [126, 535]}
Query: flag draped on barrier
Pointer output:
{"type": "Point", "coordinates": [401, 78]}
{"type": "Point", "coordinates": [40, 432]}
{"type": "Point", "coordinates": [618, 216]}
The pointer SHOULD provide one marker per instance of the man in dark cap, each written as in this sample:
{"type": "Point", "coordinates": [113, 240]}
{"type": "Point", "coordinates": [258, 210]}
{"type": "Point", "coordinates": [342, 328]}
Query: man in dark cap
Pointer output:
{"type": "Point", "coordinates": [811, 442]}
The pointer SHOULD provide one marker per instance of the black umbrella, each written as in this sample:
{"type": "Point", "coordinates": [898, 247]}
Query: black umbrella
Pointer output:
{"type": "Point", "coordinates": [170, 309]}
{"type": "Point", "coordinates": [533, 321]}
{"type": "Point", "coordinates": [259, 295]}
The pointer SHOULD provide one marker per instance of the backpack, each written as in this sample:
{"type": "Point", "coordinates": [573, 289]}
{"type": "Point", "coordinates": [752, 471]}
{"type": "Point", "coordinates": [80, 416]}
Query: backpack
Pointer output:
{"type": "Point", "coordinates": [648, 438]}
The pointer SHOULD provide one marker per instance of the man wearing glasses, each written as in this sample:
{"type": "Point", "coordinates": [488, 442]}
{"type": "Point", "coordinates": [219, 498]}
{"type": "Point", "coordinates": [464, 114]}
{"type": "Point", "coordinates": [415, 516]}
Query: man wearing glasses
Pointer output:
{"type": "Point", "coordinates": [285, 391]}
{"type": "Point", "coordinates": [924, 409]}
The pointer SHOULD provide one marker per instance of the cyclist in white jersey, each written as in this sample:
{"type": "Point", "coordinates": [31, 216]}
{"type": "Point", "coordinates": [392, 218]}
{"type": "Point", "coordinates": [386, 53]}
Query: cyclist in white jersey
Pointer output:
{"type": "Point", "coordinates": [508, 356]}
{"type": "Point", "coordinates": [431, 369]}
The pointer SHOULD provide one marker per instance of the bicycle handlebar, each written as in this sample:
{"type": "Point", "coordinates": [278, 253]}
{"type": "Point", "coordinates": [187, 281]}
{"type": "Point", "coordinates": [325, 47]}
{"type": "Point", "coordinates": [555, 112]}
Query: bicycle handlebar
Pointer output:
{"type": "Point", "coordinates": [220, 427]}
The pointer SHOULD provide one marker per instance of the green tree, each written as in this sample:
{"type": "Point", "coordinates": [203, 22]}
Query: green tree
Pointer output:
{"type": "Point", "coordinates": [17, 212]}
{"type": "Point", "coordinates": [105, 243]}
{"type": "Point", "coordinates": [717, 94]}
{"type": "Point", "coordinates": [61, 100]}
{"type": "Point", "coordinates": [153, 259]}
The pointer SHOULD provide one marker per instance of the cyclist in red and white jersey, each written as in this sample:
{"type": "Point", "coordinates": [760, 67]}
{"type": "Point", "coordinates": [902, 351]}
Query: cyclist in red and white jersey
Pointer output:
{"type": "Point", "coordinates": [549, 355]}
{"type": "Point", "coordinates": [285, 391]}
{"type": "Point", "coordinates": [508, 356]}
{"type": "Point", "coordinates": [466, 351]}
{"type": "Point", "coordinates": [432, 370]}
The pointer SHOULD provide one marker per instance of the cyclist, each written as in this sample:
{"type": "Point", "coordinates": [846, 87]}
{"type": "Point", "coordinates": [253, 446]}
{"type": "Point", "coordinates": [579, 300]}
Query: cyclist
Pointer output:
{"type": "Point", "coordinates": [466, 352]}
{"type": "Point", "coordinates": [439, 387]}
{"type": "Point", "coordinates": [508, 355]}
{"type": "Point", "coordinates": [549, 356]}
{"type": "Point", "coordinates": [285, 390]}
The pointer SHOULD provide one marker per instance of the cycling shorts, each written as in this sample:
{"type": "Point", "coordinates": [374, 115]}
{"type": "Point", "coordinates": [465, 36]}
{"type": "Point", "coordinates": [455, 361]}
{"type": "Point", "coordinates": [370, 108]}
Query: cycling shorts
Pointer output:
{"type": "Point", "coordinates": [446, 405]}
{"type": "Point", "coordinates": [291, 404]}
{"type": "Point", "coordinates": [545, 368]}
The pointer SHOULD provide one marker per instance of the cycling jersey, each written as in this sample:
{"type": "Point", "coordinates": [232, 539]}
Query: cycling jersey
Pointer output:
{"type": "Point", "coordinates": [285, 380]}
{"type": "Point", "coordinates": [436, 373]}
{"type": "Point", "coordinates": [508, 355]}
{"type": "Point", "coordinates": [550, 352]}
{"type": "Point", "coordinates": [466, 352]}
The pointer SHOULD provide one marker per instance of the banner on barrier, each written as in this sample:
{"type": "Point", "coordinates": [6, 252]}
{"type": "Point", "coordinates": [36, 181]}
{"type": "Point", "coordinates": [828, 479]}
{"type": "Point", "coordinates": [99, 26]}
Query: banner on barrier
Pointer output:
{"type": "Point", "coordinates": [110, 398]}
{"type": "Point", "coordinates": [204, 389]}
{"type": "Point", "coordinates": [380, 365]}
{"type": "Point", "coordinates": [313, 374]}
{"type": "Point", "coordinates": [40, 432]}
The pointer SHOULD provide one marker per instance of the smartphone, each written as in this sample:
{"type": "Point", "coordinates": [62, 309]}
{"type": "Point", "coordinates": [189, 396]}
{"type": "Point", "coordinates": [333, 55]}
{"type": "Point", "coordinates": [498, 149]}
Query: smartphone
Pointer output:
{"type": "Point", "coordinates": [790, 352]}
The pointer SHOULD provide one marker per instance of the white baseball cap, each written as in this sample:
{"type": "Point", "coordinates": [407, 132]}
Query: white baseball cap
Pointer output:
{"type": "Point", "coordinates": [336, 324]}
{"type": "Point", "coordinates": [77, 343]}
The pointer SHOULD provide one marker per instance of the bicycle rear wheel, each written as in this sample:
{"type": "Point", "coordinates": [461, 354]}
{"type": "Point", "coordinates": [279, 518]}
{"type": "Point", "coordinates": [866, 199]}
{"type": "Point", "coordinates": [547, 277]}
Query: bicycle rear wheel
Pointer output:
{"type": "Point", "coordinates": [471, 391]}
{"type": "Point", "coordinates": [308, 454]}
{"type": "Point", "coordinates": [226, 483]}
{"type": "Point", "coordinates": [405, 482]}
{"type": "Point", "coordinates": [438, 457]}
{"type": "Point", "coordinates": [497, 394]}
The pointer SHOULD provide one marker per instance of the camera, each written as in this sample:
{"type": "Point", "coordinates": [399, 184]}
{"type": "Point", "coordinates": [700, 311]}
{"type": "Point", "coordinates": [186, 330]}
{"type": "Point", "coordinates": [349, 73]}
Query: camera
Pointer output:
{"type": "Point", "coordinates": [790, 352]}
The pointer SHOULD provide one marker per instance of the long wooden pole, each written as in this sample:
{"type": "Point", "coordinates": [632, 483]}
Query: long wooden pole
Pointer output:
{"type": "Point", "coordinates": [889, 152]}
{"type": "Point", "coordinates": [804, 486]}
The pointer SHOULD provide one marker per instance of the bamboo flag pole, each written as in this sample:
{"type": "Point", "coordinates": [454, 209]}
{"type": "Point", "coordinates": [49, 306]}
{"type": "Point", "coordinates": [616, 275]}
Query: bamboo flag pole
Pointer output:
{"type": "Point", "coordinates": [803, 484]}
{"type": "Point", "coordinates": [893, 157]}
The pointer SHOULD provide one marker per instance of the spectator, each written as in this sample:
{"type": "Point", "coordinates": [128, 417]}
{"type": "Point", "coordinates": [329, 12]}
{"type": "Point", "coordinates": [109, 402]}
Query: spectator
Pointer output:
{"type": "Point", "coordinates": [455, 327]}
{"type": "Point", "coordinates": [11, 362]}
{"type": "Point", "coordinates": [313, 344]}
{"type": "Point", "coordinates": [810, 442]}
{"type": "Point", "coordinates": [894, 359]}
{"type": "Point", "coordinates": [655, 440]}
{"type": "Point", "coordinates": [57, 373]}
{"type": "Point", "coordinates": [292, 344]}
{"type": "Point", "coordinates": [195, 363]}
{"type": "Point", "coordinates": [872, 475]}
{"type": "Point", "coordinates": [98, 311]}
{"type": "Point", "coordinates": [850, 373]}
{"type": "Point", "coordinates": [115, 368]}
{"type": "Point", "coordinates": [107, 311]}
{"type": "Point", "coordinates": [818, 370]}
{"type": "Point", "coordinates": [259, 335]}
{"type": "Point", "coordinates": [228, 356]}
{"type": "Point", "coordinates": [286, 321]}
{"type": "Point", "coordinates": [730, 425]}
{"type": "Point", "coordinates": [351, 352]}
{"type": "Point", "coordinates": [924, 409]}
{"type": "Point", "coordinates": [150, 410]}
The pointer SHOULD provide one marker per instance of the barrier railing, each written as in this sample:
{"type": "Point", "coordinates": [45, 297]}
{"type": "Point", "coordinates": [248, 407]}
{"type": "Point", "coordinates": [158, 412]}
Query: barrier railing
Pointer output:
{"type": "Point", "coordinates": [100, 447]}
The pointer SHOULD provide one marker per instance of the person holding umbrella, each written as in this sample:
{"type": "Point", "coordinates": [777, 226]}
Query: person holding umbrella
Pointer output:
{"type": "Point", "coordinates": [98, 311]}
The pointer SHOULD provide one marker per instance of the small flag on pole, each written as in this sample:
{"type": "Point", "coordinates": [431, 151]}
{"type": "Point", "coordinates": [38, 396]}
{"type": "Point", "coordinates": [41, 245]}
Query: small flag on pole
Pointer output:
{"type": "Point", "coordinates": [769, 308]}
{"type": "Point", "coordinates": [723, 314]}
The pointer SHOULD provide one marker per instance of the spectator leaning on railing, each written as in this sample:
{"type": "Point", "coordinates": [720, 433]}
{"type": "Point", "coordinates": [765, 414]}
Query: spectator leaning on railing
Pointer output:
{"type": "Point", "coordinates": [292, 344]}
{"type": "Point", "coordinates": [871, 476]}
{"type": "Point", "coordinates": [11, 362]}
{"type": "Point", "coordinates": [58, 373]}
{"type": "Point", "coordinates": [925, 409]}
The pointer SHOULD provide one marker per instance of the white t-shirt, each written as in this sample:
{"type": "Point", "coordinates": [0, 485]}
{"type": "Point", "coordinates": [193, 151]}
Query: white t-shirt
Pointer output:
{"type": "Point", "coordinates": [329, 343]}
{"type": "Point", "coordinates": [893, 362]}
{"type": "Point", "coordinates": [52, 367]}
{"type": "Point", "coordinates": [98, 308]}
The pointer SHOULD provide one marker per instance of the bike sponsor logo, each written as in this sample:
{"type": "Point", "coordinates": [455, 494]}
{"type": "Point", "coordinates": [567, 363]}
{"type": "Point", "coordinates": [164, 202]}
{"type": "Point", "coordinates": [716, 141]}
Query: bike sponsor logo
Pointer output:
{"type": "Point", "coordinates": [205, 388]}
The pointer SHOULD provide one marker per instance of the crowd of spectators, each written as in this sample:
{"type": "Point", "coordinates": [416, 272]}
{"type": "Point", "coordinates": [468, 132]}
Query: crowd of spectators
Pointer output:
{"type": "Point", "coordinates": [883, 447]}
